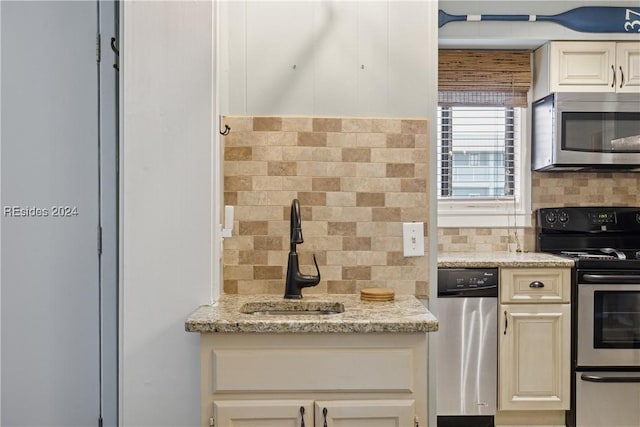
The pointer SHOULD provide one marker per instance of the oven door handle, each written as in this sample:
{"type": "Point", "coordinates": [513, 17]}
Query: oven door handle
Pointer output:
{"type": "Point", "coordinates": [609, 278]}
{"type": "Point", "coordinates": [608, 379]}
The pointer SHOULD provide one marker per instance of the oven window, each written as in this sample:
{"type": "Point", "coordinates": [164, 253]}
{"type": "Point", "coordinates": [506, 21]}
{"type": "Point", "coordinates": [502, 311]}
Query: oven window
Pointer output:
{"type": "Point", "coordinates": [601, 132]}
{"type": "Point", "coordinates": [616, 319]}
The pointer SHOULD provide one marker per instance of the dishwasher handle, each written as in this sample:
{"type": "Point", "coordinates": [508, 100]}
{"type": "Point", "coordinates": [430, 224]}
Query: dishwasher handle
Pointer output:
{"type": "Point", "coordinates": [608, 379]}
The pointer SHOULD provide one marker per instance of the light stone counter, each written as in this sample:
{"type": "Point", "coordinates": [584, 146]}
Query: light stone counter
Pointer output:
{"type": "Point", "coordinates": [405, 314]}
{"type": "Point", "coordinates": [502, 259]}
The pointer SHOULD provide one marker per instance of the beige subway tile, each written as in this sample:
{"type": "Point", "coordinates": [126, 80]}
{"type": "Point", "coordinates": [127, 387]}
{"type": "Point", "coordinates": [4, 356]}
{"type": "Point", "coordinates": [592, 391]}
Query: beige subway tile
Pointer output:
{"type": "Point", "coordinates": [340, 228]}
{"type": "Point", "coordinates": [422, 141]}
{"type": "Point", "coordinates": [322, 243]}
{"type": "Point", "coordinates": [281, 228]}
{"type": "Point", "coordinates": [393, 155]}
{"type": "Point", "coordinates": [231, 256]}
{"type": "Point", "coordinates": [346, 257]}
{"type": "Point", "coordinates": [371, 229]}
{"type": "Point", "coordinates": [258, 213]}
{"type": "Point", "coordinates": [404, 287]}
{"type": "Point", "coordinates": [238, 183]}
{"type": "Point", "coordinates": [230, 198]}
{"type": "Point", "coordinates": [386, 214]}
{"type": "Point", "coordinates": [238, 272]}
{"type": "Point", "coordinates": [329, 213]}
{"type": "Point", "coordinates": [253, 228]}
{"type": "Point", "coordinates": [296, 183]}
{"type": "Point", "coordinates": [422, 289]}
{"type": "Point", "coordinates": [370, 199]}
{"type": "Point", "coordinates": [341, 199]}
{"type": "Point", "coordinates": [268, 183]}
{"type": "Point", "coordinates": [268, 243]}
{"type": "Point", "coordinates": [403, 170]}
{"type": "Point", "coordinates": [297, 153]}
{"type": "Point", "coordinates": [371, 140]}
{"type": "Point", "coordinates": [357, 125]}
{"type": "Point", "coordinates": [254, 169]}
{"type": "Point", "coordinates": [420, 156]}
{"type": "Point", "coordinates": [392, 272]}
{"type": "Point", "coordinates": [341, 286]}
{"type": "Point", "coordinates": [313, 169]}
{"type": "Point", "coordinates": [305, 257]}
{"type": "Point", "coordinates": [386, 243]}
{"type": "Point", "coordinates": [281, 168]}
{"type": "Point", "coordinates": [335, 139]}
{"type": "Point", "coordinates": [265, 153]}
{"type": "Point", "coordinates": [297, 124]}
{"type": "Point", "coordinates": [406, 199]}
{"type": "Point", "coordinates": [371, 258]}
{"type": "Point", "coordinates": [251, 287]}
{"type": "Point", "coordinates": [321, 124]}
{"type": "Point", "coordinates": [245, 139]}
{"type": "Point", "coordinates": [252, 198]}
{"type": "Point", "coordinates": [325, 184]}
{"type": "Point", "coordinates": [368, 170]}
{"type": "Point", "coordinates": [326, 154]}
{"type": "Point", "coordinates": [267, 124]}
{"type": "Point", "coordinates": [312, 198]}
{"type": "Point", "coordinates": [386, 125]}
{"type": "Point", "coordinates": [413, 185]}
{"type": "Point", "coordinates": [340, 169]}
{"type": "Point", "coordinates": [315, 228]}
{"type": "Point", "coordinates": [282, 139]}
{"type": "Point", "coordinates": [356, 273]}
{"type": "Point", "coordinates": [238, 123]}
{"type": "Point", "coordinates": [230, 286]}
{"type": "Point", "coordinates": [398, 258]}
{"type": "Point", "coordinates": [356, 155]}
{"type": "Point", "coordinates": [312, 139]}
{"type": "Point", "coordinates": [238, 242]}
{"type": "Point", "coordinates": [262, 272]}
{"type": "Point", "coordinates": [278, 257]}
{"type": "Point", "coordinates": [418, 213]}
{"type": "Point", "coordinates": [280, 198]}
{"type": "Point", "coordinates": [414, 126]}
{"type": "Point", "coordinates": [252, 257]}
{"type": "Point", "coordinates": [238, 153]}
{"type": "Point", "coordinates": [399, 140]}
{"type": "Point", "coordinates": [356, 244]}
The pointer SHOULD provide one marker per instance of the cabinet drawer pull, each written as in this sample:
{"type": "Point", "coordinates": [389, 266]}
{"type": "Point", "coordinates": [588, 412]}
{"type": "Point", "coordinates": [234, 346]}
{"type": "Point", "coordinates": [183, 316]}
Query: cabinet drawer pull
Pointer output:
{"type": "Point", "coordinates": [324, 415]}
{"type": "Point", "coordinates": [506, 322]}
{"type": "Point", "coordinates": [536, 284]}
{"type": "Point", "coordinates": [621, 78]}
{"type": "Point", "coordinates": [302, 416]}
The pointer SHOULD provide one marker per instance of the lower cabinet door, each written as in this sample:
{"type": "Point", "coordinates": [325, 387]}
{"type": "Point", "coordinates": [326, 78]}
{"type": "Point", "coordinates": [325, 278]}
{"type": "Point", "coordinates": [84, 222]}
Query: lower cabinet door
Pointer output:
{"type": "Point", "coordinates": [365, 413]}
{"type": "Point", "coordinates": [534, 357]}
{"type": "Point", "coordinates": [263, 413]}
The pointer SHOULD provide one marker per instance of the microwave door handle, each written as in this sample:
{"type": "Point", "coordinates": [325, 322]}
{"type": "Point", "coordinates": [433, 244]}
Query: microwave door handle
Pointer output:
{"type": "Point", "coordinates": [608, 379]}
{"type": "Point", "coordinates": [608, 278]}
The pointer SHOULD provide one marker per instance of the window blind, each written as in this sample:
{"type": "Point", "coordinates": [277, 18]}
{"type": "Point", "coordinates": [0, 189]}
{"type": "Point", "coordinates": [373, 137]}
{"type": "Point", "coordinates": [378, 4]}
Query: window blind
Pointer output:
{"type": "Point", "coordinates": [478, 152]}
{"type": "Point", "coordinates": [484, 77]}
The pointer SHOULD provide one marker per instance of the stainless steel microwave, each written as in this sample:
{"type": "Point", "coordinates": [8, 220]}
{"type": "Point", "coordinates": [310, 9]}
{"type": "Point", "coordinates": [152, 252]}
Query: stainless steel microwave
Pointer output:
{"type": "Point", "coordinates": [586, 131]}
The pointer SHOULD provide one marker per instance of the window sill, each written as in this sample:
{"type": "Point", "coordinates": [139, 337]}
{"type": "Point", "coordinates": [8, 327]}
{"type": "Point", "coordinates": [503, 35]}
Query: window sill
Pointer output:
{"type": "Point", "coordinates": [481, 217]}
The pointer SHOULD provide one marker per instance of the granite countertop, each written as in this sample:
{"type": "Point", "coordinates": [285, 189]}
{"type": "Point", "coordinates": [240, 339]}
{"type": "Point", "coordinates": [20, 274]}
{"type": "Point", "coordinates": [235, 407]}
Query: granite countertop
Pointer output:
{"type": "Point", "coordinates": [405, 314]}
{"type": "Point", "coordinates": [502, 259]}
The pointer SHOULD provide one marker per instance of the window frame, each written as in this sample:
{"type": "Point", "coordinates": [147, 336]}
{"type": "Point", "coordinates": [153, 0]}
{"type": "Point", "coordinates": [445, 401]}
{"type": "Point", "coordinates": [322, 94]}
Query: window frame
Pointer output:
{"type": "Point", "coordinates": [494, 213]}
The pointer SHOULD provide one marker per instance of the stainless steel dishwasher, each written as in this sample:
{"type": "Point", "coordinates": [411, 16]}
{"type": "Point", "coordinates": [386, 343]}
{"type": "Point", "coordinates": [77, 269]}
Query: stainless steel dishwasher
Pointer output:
{"type": "Point", "coordinates": [467, 347]}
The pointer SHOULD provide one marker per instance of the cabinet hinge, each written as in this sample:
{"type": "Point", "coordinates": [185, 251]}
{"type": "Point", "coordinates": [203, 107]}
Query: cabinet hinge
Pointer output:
{"type": "Point", "coordinates": [98, 49]}
{"type": "Point", "coordinates": [99, 237]}
{"type": "Point", "coordinates": [212, 423]}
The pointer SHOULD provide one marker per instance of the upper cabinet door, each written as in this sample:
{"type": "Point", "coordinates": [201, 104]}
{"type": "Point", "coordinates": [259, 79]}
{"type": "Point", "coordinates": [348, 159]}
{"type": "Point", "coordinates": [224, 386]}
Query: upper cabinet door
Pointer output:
{"type": "Point", "coordinates": [583, 66]}
{"type": "Point", "coordinates": [263, 413]}
{"type": "Point", "coordinates": [365, 413]}
{"type": "Point", "coordinates": [628, 63]}
{"type": "Point", "coordinates": [280, 57]}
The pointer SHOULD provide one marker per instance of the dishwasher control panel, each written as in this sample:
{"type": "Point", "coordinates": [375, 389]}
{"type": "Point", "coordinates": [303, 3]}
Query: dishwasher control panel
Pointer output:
{"type": "Point", "coordinates": [467, 282]}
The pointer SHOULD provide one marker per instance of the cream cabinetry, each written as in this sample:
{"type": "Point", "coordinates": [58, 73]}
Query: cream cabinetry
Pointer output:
{"type": "Point", "coordinates": [587, 67]}
{"type": "Point", "coordinates": [281, 379]}
{"type": "Point", "coordinates": [534, 327]}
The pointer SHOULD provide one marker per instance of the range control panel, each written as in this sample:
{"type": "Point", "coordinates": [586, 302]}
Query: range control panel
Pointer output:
{"type": "Point", "coordinates": [586, 219]}
{"type": "Point", "coordinates": [467, 282]}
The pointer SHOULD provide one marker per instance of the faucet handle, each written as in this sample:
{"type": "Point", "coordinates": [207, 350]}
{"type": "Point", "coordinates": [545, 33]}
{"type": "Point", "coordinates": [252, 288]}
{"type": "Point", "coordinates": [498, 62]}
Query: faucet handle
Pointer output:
{"type": "Point", "coordinates": [317, 269]}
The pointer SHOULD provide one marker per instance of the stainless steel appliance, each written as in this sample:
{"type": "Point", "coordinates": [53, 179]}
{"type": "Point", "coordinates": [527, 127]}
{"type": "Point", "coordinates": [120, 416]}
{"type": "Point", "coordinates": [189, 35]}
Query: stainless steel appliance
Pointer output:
{"type": "Point", "coordinates": [467, 347]}
{"type": "Point", "coordinates": [582, 131]}
{"type": "Point", "coordinates": [605, 244]}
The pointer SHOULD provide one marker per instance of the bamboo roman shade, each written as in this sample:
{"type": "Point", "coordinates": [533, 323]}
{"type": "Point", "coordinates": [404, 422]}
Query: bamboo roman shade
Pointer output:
{"type": "Point", "coordinates": [484, 77]}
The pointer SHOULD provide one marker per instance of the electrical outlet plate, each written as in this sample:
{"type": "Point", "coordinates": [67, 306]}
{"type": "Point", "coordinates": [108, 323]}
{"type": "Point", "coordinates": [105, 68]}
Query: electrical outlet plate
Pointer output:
{"type": "Point", "coordinates": [413, 238]}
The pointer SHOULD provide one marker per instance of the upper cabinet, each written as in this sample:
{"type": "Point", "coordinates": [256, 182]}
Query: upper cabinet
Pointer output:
{"type": "Point", "coordinates": [328, 58]}
{"type": "Point", "coordinates": [587, 67]}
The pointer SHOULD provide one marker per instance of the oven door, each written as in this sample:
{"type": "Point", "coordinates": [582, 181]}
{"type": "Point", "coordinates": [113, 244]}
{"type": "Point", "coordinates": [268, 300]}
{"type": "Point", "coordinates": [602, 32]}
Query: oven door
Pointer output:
{"type": "Point", "coordinates": [608, 327]}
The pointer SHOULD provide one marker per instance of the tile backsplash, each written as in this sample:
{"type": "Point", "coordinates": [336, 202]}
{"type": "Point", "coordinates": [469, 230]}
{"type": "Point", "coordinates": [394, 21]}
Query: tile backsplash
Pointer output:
{"type": "Point", "coordinates": [548, 189]}
{"type": "Point", "coordinates": [357, 179]}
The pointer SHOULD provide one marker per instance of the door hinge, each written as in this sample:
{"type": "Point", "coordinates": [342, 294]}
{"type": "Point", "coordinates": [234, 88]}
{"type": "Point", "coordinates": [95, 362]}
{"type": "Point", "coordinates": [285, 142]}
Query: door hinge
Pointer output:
{"type": "Point", "coordinates": [99, 240]}
{"type": "Point", "coordinates": [98, 48]}
{"type": "Point", "coordinates": [100, 422]}
{"type": "Point", "coordinates": [212, 423]}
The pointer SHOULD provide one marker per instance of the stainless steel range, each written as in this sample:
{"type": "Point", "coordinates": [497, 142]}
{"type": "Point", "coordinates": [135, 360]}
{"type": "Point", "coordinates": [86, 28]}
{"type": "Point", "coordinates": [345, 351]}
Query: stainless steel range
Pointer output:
{"type": "Point", "coordinates": [605, 245]}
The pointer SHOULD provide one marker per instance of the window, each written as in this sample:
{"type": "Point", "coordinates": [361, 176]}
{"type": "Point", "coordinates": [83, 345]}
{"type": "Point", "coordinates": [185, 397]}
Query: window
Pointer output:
{"type": "Point", "coordinates": [480, 165]}
{"type": "Point", "coordinates": [482, 175]}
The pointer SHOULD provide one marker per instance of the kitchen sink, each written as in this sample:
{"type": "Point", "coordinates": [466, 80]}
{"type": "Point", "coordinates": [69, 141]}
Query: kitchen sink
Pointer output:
{"type": "Point", "coordinates": [292, 308]}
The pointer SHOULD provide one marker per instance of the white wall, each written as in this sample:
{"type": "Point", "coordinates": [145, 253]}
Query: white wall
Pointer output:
{"type": "Point", "coordinates": [517, 34]}
{"type": "Point", "coordinates": [167, 75]}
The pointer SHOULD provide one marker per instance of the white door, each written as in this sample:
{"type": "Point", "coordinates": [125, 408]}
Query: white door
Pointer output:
{"type": "Point", "coordinates": [50, 198]}
{"type": "Point", "coordinates": [365, 413]}
{"type": "Point", "coordinates": [628, 62]}
{"type": "Point", "coordinates": [583, 66]}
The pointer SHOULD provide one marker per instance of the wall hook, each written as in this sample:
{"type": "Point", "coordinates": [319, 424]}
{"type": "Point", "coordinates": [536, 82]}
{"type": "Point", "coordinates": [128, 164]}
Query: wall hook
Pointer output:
{"type": "Point", "coordinates": [226, 130]}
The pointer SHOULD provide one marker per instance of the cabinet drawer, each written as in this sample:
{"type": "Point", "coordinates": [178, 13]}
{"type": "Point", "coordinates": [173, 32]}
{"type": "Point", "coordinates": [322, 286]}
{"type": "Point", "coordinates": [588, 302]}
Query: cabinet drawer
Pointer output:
{"type": "Point", "coordinates": [530, 285]}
